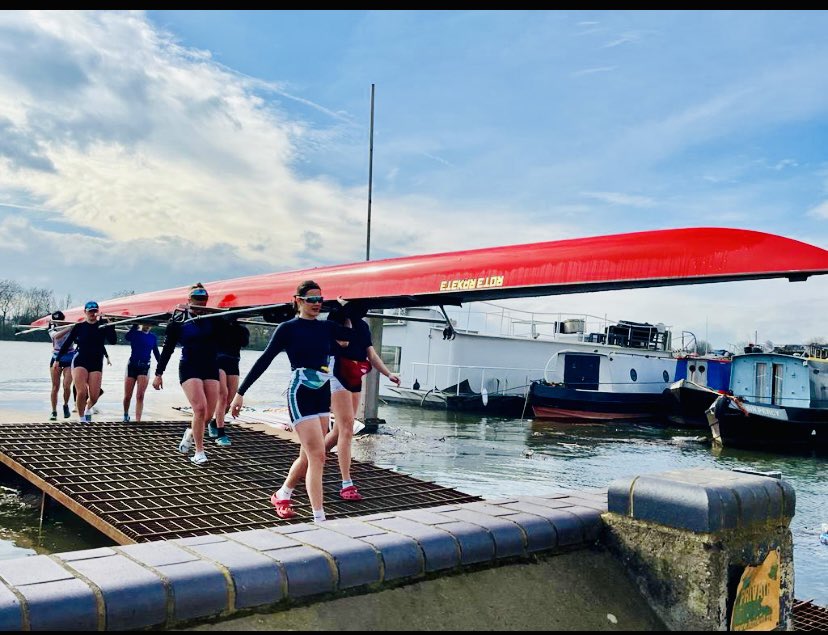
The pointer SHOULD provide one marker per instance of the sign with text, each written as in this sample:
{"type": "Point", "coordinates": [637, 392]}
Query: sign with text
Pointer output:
{"type": "Point", "coordinates": [757, 597]}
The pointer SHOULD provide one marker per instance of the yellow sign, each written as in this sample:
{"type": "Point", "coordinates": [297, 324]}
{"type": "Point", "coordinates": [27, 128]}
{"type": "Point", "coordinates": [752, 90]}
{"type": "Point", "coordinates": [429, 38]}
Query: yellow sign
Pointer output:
{"type": "Point", "coordinates": [757, 598]}
{"type": "Point", "coordinates": [471, 283]}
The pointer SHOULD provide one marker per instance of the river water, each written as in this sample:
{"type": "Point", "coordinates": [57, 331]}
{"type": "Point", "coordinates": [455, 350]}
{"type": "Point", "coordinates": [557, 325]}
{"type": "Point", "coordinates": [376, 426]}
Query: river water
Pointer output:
{"type": "Point", "coordinates": [485, 456]}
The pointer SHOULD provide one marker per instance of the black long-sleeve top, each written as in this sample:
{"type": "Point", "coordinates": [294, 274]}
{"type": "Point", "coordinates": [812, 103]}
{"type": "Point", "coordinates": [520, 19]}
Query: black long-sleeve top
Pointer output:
{"type": "Point", "coordinates": [90, 338]}
{"type": "Point", "coordinates": [308, 344]}
{"type": "Point", "coordinates": [234, 337]}
{"type": "Point", "coordinates": [199, 341]}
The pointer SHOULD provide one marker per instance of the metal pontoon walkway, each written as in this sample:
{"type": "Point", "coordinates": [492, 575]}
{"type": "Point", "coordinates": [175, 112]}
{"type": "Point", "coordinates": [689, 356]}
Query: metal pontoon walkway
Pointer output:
{"type": "Point", "coordinates": [129, 480]}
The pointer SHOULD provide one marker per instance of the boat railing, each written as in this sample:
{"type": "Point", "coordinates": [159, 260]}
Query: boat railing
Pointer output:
{"type": "Point", "coordinates": [506, 379]}
{"type": "Point", "coordinates": [566, 327]}
{"type": "Point", "coordinates": [503, 321]}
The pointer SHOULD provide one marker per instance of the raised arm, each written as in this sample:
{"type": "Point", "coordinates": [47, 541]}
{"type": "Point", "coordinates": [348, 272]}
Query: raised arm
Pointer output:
{"type": "Point", "coordinates": [67, 343]}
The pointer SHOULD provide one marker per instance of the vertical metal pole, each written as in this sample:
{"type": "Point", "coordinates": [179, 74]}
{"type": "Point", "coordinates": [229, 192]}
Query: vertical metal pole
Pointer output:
{"type": "Point", "coordinates": [370, 176]}
{"type": "Point", "coordinates": [371, 401]}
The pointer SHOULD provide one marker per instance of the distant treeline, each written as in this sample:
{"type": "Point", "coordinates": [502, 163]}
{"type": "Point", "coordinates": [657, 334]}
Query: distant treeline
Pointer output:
{"type": "Point", "coordinates": [19, 305]}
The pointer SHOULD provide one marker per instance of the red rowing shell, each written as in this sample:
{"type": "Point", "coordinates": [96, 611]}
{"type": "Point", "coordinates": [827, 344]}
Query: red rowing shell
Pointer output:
{"type": "Point", "coordinates": [640, 259]}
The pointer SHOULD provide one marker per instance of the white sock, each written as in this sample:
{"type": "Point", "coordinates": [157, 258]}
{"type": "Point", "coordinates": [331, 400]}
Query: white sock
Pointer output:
{"type": "Point", "coordinates": [284, 492]}
{"type": "Point", "coordinates": [347, 484]}
{"type": "Point", "coordinates": [318, 515]}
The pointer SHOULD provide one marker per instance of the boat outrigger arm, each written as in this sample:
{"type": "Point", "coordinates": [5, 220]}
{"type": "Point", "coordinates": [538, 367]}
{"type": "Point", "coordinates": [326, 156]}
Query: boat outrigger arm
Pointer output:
{"type": "Point", "coordinates": [621, 261]}
{"type": "Point", "coordinates": [448, 332]}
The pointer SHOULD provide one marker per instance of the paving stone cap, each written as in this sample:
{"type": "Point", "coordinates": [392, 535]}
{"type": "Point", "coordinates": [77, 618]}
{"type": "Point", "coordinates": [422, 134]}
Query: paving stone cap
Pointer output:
{"type": "Point", "coordinates": [702, 499]}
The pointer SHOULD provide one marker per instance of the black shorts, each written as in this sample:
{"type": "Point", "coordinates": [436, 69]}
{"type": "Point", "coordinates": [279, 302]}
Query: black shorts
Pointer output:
{"type": "Point", "coordinates": [230, 365]}
{"type": "Point", "coordinates": [197, 370]}
{"type": "Point", "coordinates": [134, 370]}
{"type": "Point", "coordinates": [91, 365]}
{"type": "Point", "coordinates": [305, 403]}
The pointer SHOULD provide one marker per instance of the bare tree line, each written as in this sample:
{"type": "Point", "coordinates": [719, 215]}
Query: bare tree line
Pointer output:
{"type": "Point", "coordinates": [21, 305]}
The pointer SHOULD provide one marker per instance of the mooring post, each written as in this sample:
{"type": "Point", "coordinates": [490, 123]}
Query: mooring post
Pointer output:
{"type": "Point", "coordinates": [709, 549]}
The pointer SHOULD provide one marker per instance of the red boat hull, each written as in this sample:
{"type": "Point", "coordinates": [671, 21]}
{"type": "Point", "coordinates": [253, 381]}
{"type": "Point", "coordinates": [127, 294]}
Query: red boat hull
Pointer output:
{"type": "Point", "coordinates": [641, 259]}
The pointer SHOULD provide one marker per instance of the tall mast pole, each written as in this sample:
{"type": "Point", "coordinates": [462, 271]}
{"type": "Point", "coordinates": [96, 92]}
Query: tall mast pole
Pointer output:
{"type": "Point", "coordinates": [370, 176]}
{"type": "Point", "coordinates": [370, 404]}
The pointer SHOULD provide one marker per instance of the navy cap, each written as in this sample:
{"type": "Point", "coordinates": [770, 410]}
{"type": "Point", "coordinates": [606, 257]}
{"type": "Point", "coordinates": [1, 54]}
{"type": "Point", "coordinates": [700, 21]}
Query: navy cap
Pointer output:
{"type": "Point", "coordinates": [91, 305]}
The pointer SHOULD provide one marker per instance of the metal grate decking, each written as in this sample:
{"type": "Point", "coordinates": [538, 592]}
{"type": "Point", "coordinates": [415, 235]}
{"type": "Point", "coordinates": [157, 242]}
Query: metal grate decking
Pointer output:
{"type": "Point", "coordinates": [130, 481]}
{"type": "Point", "coordinates": [807, 616]}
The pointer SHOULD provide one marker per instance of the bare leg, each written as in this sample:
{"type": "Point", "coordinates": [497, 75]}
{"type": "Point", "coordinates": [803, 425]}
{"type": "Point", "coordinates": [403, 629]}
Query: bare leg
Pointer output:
{"type": "Point", "coordinates": [143, 381]}
{"type": "Point", "coordinates": [81, 376]}
{"type": "Point", "coordinates": [232, 387]}
{"type": "Point", "coordinates": [202, 395]}
{"type": "Point", "coordinates": [299, 467]}
{"type": "Point", "coordinates": [342, 404]}
{"type": "Point", "coordinates": [313, 444]}
{"type": "Point", "coordinates": [54, 373]}
{"type": "Point", "coordinates": [129, 386]}
{"type": "Point", "coordinates": [94, 386]}
{"type": "Point", "coordinates": [221, 404]}
{"type": "Point", "coordinates": [67, 385]}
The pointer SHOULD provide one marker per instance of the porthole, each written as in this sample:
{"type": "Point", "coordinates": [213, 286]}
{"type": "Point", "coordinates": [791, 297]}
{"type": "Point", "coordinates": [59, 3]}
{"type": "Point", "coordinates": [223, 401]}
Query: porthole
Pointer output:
{"type": "Point", "coordinates": [633, 374]}
{"type": "Point", "coordinates": [666, 375]}
{"type": "Point", "coordinates": [692, 368]}
{"type": "Point", "coordinates": [701, 369]}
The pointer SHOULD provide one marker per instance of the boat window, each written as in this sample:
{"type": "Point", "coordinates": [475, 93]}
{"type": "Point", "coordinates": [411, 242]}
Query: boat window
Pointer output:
{"type": "Point", "coordinates": [760, 382]}
{"type": "Point", "coordinates": [701, 369]}
{"type": "Point", "coordinates": [666, 375]}
{"type": "Point", "coordinates": [778, 374]}
{"type": "Point", "coordinates": [633, 374]}
{"type": "Point", "coordinates": [391, 357]}
{"type": "Point", "coordinates": [692, 368]}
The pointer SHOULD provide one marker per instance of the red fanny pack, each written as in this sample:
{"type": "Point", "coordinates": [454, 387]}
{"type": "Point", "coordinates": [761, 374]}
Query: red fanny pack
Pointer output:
{"type": "Point", "coordinates": [352, 371]}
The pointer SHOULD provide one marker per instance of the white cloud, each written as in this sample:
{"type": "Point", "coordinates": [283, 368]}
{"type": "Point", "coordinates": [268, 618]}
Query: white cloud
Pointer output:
{"type": "Point", "coordinates": [618, 198]}
{"type": "Point", "coordinates": [820, 211]}
{"type": "Point", "coordinates": [152, 141]}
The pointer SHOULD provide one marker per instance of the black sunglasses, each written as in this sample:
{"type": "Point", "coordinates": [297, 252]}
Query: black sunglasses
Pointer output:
{"type": "Point", "coordinates": [313, 299]}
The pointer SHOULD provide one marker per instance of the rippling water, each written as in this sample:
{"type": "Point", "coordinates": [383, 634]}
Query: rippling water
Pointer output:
{"type": "Point", "coordinates": [485, 456]}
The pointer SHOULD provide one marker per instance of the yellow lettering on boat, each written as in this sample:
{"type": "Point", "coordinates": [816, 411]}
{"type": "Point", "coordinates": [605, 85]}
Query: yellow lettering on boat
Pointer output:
{"type": "Point", "coordinates": [471, 283]}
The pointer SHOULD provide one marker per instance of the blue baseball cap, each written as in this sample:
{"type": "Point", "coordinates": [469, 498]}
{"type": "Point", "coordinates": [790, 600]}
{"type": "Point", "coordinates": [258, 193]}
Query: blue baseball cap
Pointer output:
{"type": "Point", "coordinates": [90, 306]}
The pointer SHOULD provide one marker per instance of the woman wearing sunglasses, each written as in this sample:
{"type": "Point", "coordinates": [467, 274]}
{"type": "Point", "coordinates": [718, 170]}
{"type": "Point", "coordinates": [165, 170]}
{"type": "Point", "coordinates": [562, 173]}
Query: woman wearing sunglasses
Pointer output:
{"type": "Point", "coordinates": [309, 344]}
{"type": "Point", "coordinates": [198, 370]}
{"type": "Point", "coordinates": [351, 364]}
{"type": "Point", "coordinates": [87, 365]}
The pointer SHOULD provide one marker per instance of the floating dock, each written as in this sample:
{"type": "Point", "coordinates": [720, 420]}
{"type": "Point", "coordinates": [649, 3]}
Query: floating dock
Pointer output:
{"type": "Point", "coordinates": [129, 481]}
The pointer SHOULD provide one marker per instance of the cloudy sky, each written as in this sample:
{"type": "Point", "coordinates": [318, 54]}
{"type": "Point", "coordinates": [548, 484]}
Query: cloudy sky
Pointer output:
{"type": "Point", "coordinates": [147, 150]}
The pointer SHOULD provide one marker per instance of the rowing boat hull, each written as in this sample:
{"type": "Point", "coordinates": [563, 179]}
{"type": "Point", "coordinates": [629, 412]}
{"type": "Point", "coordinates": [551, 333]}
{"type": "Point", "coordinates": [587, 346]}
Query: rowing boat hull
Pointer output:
{"type": "Point", "coordinates": [632, 260]}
